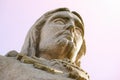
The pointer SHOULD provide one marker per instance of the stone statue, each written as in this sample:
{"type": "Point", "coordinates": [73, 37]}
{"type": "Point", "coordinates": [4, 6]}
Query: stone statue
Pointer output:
{"type": "Point", "coordinates": [55, 43]}
{"type": "Point", "coordinates": [58, 34]}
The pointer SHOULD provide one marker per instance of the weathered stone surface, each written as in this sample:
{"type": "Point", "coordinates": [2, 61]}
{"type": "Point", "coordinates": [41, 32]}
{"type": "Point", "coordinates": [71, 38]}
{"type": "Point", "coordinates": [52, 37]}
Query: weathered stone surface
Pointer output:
{"type": "Point", "coordinates": [57, 34]}
{"type": "Point", "coordinates": [12, 69]}
{"type": "Point", "coordinates": [52, 50]}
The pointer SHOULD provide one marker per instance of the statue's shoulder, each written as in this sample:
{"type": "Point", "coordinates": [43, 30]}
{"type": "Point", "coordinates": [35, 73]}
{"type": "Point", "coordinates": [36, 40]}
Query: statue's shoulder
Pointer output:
{"type": "Point", "coordinates": [24, 67]}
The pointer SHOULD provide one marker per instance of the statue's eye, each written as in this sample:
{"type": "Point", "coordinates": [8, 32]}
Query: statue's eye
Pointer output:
{"type": "Point", "coordinates": [59, 21]}
{"type": "Point", "coordinates": [79, 30]}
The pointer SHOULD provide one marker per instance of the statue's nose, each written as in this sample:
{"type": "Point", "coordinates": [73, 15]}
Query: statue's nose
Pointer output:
{"type": "Point", "coordinates": [70, 26]}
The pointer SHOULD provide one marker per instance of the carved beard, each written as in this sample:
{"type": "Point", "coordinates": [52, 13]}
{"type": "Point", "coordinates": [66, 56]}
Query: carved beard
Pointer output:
{"type": "Point", "coordinates": [65, 43]}
{"type": "Point", "coordinates": [58, 48]}
{"type": "Point", "coordinates": [62, 45]}
{"type": "Point", "coordinates": [66, 46]}
{"type": "Point", "coordinates": [69, 45]}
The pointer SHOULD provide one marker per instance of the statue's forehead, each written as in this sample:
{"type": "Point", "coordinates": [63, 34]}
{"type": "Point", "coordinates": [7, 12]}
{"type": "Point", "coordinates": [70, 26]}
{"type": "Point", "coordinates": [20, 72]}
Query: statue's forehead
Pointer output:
{"type": "Point", "coordinates": [65, 14]}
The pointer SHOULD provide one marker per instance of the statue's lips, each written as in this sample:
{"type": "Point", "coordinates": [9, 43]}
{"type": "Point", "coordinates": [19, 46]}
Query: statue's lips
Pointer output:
{"type": "Point", "coordinates": [65, 38]}
{"type": "Point", "coordinates": [65, 34]}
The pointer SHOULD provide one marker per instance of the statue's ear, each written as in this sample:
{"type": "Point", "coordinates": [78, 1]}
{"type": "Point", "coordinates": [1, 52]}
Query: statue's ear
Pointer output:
{"type": "Point", "coordinates": [81, 52]}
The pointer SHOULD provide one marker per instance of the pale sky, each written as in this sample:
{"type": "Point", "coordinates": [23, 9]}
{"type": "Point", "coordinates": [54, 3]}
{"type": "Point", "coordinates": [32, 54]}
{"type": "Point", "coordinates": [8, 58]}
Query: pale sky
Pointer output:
{"type": "Point", "coordinates": [101, 19]}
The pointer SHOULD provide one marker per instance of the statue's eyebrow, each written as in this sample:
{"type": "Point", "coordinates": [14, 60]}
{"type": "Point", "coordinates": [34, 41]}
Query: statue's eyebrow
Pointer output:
{"type": "Point", "coordinates": [61, 16]}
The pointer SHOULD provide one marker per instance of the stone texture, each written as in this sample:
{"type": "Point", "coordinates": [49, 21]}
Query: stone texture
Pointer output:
{"type": "Point", "coordinates": [52, 50]}
{"type": "Point", "coordinates": [12, 69]}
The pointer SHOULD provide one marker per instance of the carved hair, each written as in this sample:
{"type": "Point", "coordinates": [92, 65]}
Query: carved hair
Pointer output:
{"type": "Point", "coordinates": [31, 44]}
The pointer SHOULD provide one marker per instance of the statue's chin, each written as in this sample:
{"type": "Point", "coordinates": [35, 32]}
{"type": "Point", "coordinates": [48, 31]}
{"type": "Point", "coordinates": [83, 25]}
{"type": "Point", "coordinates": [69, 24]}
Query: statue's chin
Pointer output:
{"type": "Point", "coordinates": [66, 46]}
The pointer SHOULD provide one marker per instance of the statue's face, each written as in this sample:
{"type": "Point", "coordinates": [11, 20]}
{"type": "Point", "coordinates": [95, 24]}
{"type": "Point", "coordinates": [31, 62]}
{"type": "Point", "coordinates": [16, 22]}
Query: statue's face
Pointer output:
{"type": "Point", "coordinates": [61, 36]}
